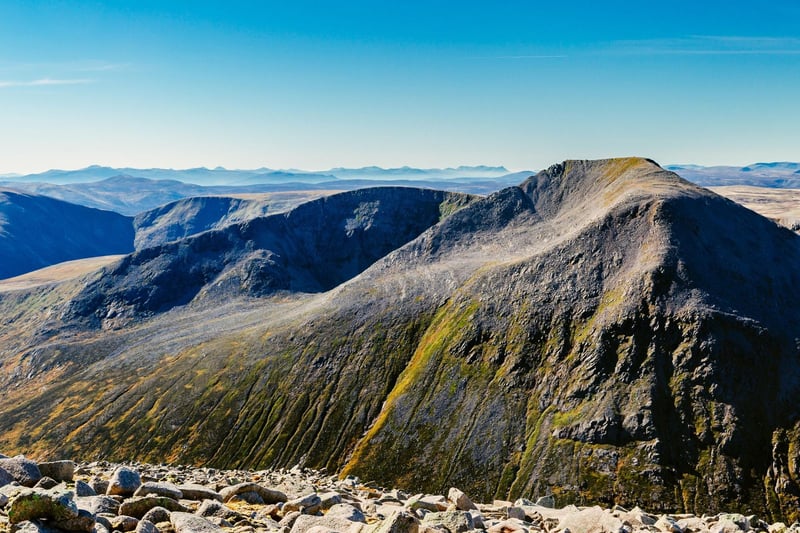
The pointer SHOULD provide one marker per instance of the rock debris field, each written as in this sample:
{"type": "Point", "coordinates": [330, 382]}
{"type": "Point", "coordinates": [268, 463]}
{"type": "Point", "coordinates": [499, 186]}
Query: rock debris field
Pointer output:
{"type": "Point", "coordinates": [103, 497]}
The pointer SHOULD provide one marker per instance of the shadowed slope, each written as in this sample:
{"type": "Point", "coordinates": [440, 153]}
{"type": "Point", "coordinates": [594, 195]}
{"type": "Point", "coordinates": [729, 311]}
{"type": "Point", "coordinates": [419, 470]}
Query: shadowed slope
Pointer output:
{"type": "Point", "coordinates": [37, 231]}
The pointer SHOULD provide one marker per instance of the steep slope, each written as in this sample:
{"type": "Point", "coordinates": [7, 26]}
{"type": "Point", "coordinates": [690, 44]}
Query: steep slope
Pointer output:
{"type": "Point", "coordinates": [37, 231]}
{"type": "Point", "coordinates": [605, 331]}
{"type": "Point", "coordinates": [183, 218]}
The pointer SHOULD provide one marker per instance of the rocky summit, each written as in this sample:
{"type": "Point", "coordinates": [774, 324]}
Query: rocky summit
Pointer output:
{"type": "Point", "coordinates": [604, 333]}
{"type": "Point", "coordinates": [101, 497]}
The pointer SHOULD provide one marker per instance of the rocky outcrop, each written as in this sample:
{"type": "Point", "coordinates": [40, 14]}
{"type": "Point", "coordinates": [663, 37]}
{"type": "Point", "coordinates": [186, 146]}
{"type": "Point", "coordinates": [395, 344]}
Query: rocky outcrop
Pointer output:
{"type": "Point", "coordinates": [363, 508]}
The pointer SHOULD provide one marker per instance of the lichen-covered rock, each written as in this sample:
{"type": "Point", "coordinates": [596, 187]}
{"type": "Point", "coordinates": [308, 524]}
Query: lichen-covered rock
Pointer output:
{"type": "Point", "coordinates": [31, 504]}
{"type": "Point", "coordinates": [190, 523]}
{"type": "Point", "coordinates": [347, 511]}
{"type": "Point", "coordinates": [85, 521]}
{"type": "Point", "coordinates": [58, 470]}
{"type": "Point", "coordinates": [590, 520]}
{"type": "Point", "coordinates": [452, 521]}
{"type": "Point", "coordinates": [124, 482]}
{"type": "Point", "coordinates": [139, 505]}
{"type": "Point", "coordinates": [23, 470]}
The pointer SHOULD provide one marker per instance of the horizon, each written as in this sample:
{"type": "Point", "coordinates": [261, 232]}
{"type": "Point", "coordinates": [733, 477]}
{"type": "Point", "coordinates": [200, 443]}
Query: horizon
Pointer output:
{"type": "Point", "coordinates": [312, 86]}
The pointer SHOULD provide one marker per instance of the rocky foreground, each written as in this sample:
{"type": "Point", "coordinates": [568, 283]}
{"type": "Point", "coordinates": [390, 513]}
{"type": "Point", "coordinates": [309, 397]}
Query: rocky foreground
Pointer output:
{"type": "Point", "coordinates": [104, 497]}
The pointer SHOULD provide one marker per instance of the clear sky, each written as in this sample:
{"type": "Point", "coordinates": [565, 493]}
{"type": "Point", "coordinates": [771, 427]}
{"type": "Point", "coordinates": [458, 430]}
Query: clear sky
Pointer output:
{"type": "Point", "coordinates": [429, 83]}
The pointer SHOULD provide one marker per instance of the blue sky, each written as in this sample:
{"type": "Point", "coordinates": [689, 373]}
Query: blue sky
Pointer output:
{"type": "Point", "coordinates": [315, 85]}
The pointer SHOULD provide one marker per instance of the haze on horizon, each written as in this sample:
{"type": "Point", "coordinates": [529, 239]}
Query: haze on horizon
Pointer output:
{"type": "Point", "coordinates": [315, 85]}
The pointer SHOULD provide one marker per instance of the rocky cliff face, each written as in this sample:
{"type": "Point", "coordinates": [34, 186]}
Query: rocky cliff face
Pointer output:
{"type": "Point", "coordinates": [605, 331]}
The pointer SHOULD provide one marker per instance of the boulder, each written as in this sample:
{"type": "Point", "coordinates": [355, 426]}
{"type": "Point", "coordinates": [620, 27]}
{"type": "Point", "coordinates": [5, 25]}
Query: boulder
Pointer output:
{"type": "Point", "coordinates": [139, 505]}
{"type": "Point", "coordinates": [199, 493]}
{"type": "Point", "coordinates": [23, 470]}
{"type": "Point", "coordinates": [452, 521]}
{"type": "Point", "coordinates": [546, 501]}
{"type": "Point", "coordinates": [590, 520]}
{"type": "Point", "coordinates": [83, 489]}
{"type": "Point", "coordinates": [146, 526]}
{"type": "Point", "coordinates": [124, 482]}
{"type": "Point", "coordinates": [268, 495]}
{"type": "Point", "coordinates": [309, 504]}
{"type": "Point", "coordinates": [58, 470]}
{"type": "Point", "coordinates": [191, 523]}
{"type": "Point", "coordinates": [347, 511]}
{"type": "Point", "coordinates": [85, 521]}
{"type": "Point", "coordinates": [400, 522]}
{"type": "Point", "coordinates": [45, 483]}
{"type": "Point", "coordinates": [30, 504]}
{"type": "Point", "coordinates": [123, 523]}
{"type": "Point", "coordinates": [156, 515]}
{"type": "Point", "coordinates": [5, 477]}
{"type": "Point", "coordinates": [462, 501]}
{"type": "Point", "coordinates": [99, 504]}
{"type": "Point", "coordinates": [307, 522]}
{"type": "Point", "coordinates": [159, 489]}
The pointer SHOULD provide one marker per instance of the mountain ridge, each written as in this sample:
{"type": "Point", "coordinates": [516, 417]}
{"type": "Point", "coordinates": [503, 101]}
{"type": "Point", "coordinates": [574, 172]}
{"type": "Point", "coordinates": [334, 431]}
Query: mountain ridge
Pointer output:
{"type": "Point", "coordinates": [605, 332]}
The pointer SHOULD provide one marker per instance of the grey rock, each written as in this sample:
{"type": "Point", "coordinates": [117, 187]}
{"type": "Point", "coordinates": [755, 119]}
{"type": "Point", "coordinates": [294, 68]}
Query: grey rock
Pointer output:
{"type": "Point", "coordinates": [83, 522]}
{"type": "Point", "coordinates": [146, 526]}
{"type": "Point", "coordinates": [462, 501]}
{"type": "Point", "coordinates": [100, 486]}
{"type": "Point", "coordinates": [214, 508]}
{"type": "Point", "coordinates": [30, 504]}
{"type": "Point", "coordinates": [725, 525]}
{"type": "Point", "coordinates": [590, 520]}
{"type": "Point", "coordinates": [329, 499]}
{"type": "Point", "coordinates": [83, 489]}
{"type": "Point", "coordinates": [156, 515]}
{"type": "Point", "coordinates": [23, 470]}
{"type": "Point", "coordinates": [159, 489]}
{"type": "Point", "coordinates": [139, 505]}
{"type": "Point", "coordinates": [35, 527]}
{"type": "Point", "coordinates": [124, 482]}
{"type": "Point", "coordinates": [309, 504]}
{"type": "Point", "coordinates": [332, 523]}
{"type": "Point", "coordinates": [199, 492]}
{"type": "Point", "coordinates": [400, 522]}
{"type": "Point", "coordinates": [288, 520]}
{"type": "Point", "coordinates": [103, 520]}
{"type": "Point", "coordinates": [46, 483]}
{"type": "Point", "coordinates": [5, 477]}
{"type": "Point", "coordinates": [268, 495]}
{"type": "Point", "coordinates": [452, 521]}
{"type": "Point", "coordinates": [58, 470]}
{"type": "Point", "coordinates": [124, 523]}
{"type": "Point", "coordinates": [191, 523]}
{"type": "Point", "coordinates": [546, 501]}
{"type": "Point", "coordinates": [250, 497]}
{"type": "Point", "coordinates": [99, 504]}
{"type": "Point", "coordinates": [348, 512]}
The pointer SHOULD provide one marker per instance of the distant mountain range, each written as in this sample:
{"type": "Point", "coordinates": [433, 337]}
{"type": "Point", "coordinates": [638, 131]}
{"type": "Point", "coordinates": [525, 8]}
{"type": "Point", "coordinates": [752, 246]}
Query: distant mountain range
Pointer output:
{"type": "Point", "coordinates": [226, 177]}
{"type": "Point", "coordinates": [774, 175]}
{"type": "Point", "coordinates": [604, 331]}
{"type": "Point", "coordinates": [133, 191]}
